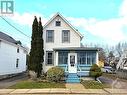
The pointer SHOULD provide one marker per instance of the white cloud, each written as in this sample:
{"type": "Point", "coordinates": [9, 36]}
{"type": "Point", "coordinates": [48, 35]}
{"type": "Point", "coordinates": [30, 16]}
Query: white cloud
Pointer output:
{"type": "Point", "coordinates": [123, 8]}
{"type": "Point", "coordinates": [26, 18]}
{"type": "Point", "coordinates": [110, 30]}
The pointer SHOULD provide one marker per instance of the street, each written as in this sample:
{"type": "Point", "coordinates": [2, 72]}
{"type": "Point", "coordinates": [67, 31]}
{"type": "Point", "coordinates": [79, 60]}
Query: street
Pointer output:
{"type": "Point", "coordinates": [117, 83]}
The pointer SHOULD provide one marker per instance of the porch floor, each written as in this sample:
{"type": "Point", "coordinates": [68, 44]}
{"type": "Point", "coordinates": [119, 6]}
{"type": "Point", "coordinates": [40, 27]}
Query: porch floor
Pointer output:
{"type": "Point", "coordinates": [74, 86]}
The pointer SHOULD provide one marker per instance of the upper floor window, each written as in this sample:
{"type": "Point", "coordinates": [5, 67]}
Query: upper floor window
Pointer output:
{"type": "Point", "coordinates": [58, 23]}
{"type": "Point", "coordinates": [17, 50]}
{"type": "Point", "coordinates": [50, 36]}
{"type": "Point", "coordinates": [65, 36]}
{"type": "Point", "coordinates": [0, 43]}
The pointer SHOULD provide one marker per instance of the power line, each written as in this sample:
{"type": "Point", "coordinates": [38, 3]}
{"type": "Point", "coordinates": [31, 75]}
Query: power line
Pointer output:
{"type": "Point", "coordinates": [15, 27]}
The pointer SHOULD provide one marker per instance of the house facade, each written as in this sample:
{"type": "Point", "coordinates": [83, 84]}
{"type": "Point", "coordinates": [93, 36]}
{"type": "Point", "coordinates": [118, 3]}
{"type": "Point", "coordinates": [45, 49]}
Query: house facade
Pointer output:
{"type": "Point", "coordinates": [62, 47]}
{"type": "Point", "coordinates": [12, 55]}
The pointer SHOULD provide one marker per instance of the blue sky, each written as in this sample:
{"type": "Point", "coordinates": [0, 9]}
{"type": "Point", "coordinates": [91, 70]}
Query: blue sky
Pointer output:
{"type": "Point", "coordinates": [100, 21]}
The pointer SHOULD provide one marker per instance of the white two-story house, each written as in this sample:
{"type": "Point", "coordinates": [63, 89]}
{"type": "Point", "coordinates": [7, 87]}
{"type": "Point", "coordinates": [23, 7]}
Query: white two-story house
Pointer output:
{"type": "Point", "coordinates": [62, 47]}
{"type": "Point", "coordinates": [12, 56]}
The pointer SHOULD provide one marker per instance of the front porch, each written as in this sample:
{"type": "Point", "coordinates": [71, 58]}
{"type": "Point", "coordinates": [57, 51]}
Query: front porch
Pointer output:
{"type": "Point", "coordinates": [76, 61]}
{"type": "Point", "coordinates": [82, 70]}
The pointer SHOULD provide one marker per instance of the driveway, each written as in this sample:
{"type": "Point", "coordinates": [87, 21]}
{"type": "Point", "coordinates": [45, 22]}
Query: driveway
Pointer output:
{"type": "Point", "coordinates": [11, 81]}
{"type": "Point", "coordinates": [116, 83]}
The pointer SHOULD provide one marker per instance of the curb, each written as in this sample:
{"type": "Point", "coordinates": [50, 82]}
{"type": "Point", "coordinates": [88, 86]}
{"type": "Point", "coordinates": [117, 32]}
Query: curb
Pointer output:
{"type": "Point", "coordinates": [64, 91]}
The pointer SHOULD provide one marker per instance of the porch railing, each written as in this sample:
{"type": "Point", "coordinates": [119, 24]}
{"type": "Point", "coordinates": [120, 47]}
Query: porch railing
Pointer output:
{"type": "Point", "coordinates": [65, 67]}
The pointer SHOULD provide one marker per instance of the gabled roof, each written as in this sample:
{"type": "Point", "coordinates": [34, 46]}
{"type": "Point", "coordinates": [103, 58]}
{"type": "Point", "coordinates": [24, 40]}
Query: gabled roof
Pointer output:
{"type": "Point", "coordinates": [7, 38]}
{"type": "Point", "coordinates": [58, 14]}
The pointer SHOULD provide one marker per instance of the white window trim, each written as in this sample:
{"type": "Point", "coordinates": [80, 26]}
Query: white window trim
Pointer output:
{"type": "Point", "coordinates": [65, 36]}
{"type": "Point", "coordinates": [47, 36]}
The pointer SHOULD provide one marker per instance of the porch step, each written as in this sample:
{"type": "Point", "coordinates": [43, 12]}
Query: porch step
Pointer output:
{"type": "Point", "coordinates": [73, 78]}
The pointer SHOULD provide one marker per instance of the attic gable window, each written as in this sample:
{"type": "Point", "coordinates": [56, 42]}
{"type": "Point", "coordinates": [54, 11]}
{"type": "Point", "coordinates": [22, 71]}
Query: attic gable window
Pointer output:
{"type": "Point", "coordinates": [58, 23]}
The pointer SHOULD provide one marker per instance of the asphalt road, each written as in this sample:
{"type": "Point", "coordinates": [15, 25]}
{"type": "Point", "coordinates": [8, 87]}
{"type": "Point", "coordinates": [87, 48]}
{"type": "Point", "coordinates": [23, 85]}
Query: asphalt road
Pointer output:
{"type": "Point", "coordinates": [117, 83]}
{"type": "Point", "coordinates": [11, 81]}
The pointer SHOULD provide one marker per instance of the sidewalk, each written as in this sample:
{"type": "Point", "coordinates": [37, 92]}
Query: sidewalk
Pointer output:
{"type": "Point", "coordinates": [64, 91]}
{"type": "Point", "coordinates": [74, 86]}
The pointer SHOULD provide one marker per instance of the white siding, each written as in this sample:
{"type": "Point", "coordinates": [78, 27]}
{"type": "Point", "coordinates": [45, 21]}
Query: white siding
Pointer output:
{"type": "Point", "coordinates": [74, 38]}
{"type": "Point", "coordinates": [8, 57]}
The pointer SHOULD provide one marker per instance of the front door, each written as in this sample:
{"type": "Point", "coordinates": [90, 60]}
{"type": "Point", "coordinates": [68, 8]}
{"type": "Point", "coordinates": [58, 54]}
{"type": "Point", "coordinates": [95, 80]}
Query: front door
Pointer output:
{"type": "Point", "coordinates": [72, 62]}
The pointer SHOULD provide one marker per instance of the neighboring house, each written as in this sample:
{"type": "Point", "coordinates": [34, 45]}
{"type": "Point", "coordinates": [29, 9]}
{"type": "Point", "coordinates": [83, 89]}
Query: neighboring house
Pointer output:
{"type": "Point", "coordinates": [122, 64]}
{"type": "Point", "coordinates": [62, 46]}
{"type": "Point", "coordinates": [12, 55]}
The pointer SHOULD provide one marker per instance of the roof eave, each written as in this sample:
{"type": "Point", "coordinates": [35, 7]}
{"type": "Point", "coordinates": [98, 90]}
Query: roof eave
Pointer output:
{"type": "Point", "coordinates": [58, 14]}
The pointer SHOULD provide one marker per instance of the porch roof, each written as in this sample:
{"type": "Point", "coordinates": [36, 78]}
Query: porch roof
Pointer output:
{"type": "Point", "coordinates": [77, 48]}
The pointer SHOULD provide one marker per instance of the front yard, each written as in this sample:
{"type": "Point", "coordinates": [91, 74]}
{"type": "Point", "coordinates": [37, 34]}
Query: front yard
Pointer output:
{"type": "Point", "coordinates": [92, 84]}
{"type": "Point", "coordinates": [107, 81]}
{"type": "Point", "coordinates": [33, 84]}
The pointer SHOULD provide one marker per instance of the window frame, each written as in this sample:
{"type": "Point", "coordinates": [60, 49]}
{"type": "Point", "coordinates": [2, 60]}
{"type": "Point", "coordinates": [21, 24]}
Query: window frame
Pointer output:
{"type": "Point", "coordinates": [62, 58]}
{"type": "Point", "coordinates": [18, 50]}
{"type": "Point", "coordinates": [47, 36]}
{"type": "Point", "coordinates": [0, 43]}
{"type": "Point", "coordinates": [56, 23]}
{"type": "Point", "coordinates": [17, 63]}
{"type": "Point", "coordinates": [50, 58]}
{"type": "Point", "coordinates": [63, 36]}
{"type": "Point", "coordinates": [90, 58]}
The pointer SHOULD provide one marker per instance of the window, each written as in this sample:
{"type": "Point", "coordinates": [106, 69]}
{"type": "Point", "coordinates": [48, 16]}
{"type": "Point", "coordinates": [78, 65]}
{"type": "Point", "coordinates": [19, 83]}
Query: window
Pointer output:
{"type": "Point", "coordinates": [49, 57]}
{"type": "Point", "coordinates": [88, 58]}
{"type": "Point", "coordinates": [65, 36]}
{"type": "Point", "coordinates": [58, 23]}
{"type": "Point", "coordinates": [17, 50]}
{"type": "Point", "coordinates": [82, 57]}
{"type": "Point", "coordinates": [50, 36]}
{"type": "Point", "coordinates": [17, 63]}
{"type": "Point", "coordinates": [72, 60]}
{"type": "Point", "coordinates": [0, 43]}
{"type": "Point", "coordinates": [63, 57]}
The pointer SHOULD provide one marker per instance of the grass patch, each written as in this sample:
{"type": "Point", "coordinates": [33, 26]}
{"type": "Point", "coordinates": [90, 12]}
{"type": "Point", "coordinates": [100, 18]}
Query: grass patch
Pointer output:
{"type": "Point", "coordinates": [91, 84]}
{"type": "Point", "coordinates": [34, 84]}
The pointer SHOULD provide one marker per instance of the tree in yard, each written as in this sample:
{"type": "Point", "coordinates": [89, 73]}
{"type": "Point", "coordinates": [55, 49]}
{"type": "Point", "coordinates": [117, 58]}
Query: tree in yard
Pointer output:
{"type": "Point", "coordinates": [40, 50]}
{"type": "Point", "coordinates": [102, 56]}
{"type": "Point", "coordinates": [37, 52]}
{"type": "Point", "coordinates": [111, 59]}
{"type": "Point", "coordinates": [95, 71]}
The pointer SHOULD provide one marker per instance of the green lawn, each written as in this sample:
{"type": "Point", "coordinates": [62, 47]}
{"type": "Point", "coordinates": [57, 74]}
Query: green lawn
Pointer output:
{"type": "Point", "coordinates": [91, 84]}
{"type": "Point", "coordinates": [33, 84]}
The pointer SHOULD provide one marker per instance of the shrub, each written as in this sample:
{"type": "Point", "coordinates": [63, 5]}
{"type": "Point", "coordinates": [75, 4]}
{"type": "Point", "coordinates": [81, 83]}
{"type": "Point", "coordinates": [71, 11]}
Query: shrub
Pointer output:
{"type": "Point", "coordinates": [55, 74]}
{"type": "Point", "coordinates": [95, 71]}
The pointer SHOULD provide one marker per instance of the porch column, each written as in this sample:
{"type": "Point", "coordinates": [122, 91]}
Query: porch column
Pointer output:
{"type": "Point", "coordinates": [97, 58]}
{"type": "Point", "coordinates": [56, 58]}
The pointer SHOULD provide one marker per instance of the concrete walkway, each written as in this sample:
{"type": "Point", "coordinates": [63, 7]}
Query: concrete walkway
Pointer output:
{"type": "Point", "coordinates": [63, 91]}
{"type": "Point", "coordinates": [74, 86]}
{"type": "Point", "coordinates": [5, 83]}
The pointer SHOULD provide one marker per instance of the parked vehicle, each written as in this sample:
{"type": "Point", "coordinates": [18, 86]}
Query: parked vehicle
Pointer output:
{"type": "Point", "coordinates": [108, 69]}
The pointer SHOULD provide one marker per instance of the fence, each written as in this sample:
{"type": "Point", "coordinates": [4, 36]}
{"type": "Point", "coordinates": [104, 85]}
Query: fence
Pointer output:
{"type": "Point", "coordinates": [122, 74]}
